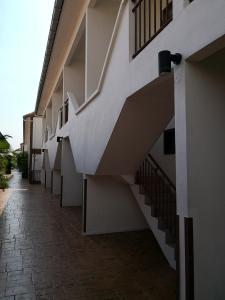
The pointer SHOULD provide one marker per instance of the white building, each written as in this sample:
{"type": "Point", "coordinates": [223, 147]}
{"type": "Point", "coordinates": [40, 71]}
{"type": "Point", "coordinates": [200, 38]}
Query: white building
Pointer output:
{"type": "Point", "coordinates": [105, 108]}
{"type": "Point", "coordinates": [32, 144]}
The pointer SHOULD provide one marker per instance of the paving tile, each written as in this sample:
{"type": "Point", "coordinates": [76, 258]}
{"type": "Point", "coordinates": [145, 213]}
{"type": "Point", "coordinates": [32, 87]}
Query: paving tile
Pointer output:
{"type": "Point", "coordinates": [44, 255]}
{"type": "Point", "coordinates": [26, 297]}
{"type": "Point", "coordinates": [18, 290]}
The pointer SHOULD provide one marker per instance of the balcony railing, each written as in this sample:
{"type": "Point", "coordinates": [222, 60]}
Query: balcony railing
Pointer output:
{"type": "Point", "coordinates": [150, 18]}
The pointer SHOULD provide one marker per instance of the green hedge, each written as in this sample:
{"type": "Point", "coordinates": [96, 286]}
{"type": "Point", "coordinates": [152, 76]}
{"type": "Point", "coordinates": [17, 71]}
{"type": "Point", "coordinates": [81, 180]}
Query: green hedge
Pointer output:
{"type": "Point", "coordinates": [3, 182]}
{"type": "Point", "coordinates": [22, 163]}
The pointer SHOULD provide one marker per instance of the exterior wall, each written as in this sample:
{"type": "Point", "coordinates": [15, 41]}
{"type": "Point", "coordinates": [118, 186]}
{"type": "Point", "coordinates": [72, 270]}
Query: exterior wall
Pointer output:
{"type": "Point", "coordinates": [121, 82]}
{"type": "Point", "coordinates": [37, 133]}
{"type": "Point", "coordinates": [196, 30]}
{"type": "Point", "coordinates": [166, 162]}
{"type": "Point", "coordinates": [56, 188]}
{"type": "Point", "coordinates": [57, 101]}
{"type": "Point", "coordinates": [49, 119]}
{"type": "Point", "coordinates": [26, 134]}
{"type": "Point", "coordinates": [111, 207]}
{"type": "Point", "coordinates": [70, 21]}
{"type": "Point", "coordinates": [37, 162]}
{"type": "Point", "coordinates": [124, 77]}
{"type": "Point", "coordinates": [204, 180]}
{"type": "Point", "coordinates": [72, 181]}
{"type": "Point", "coordinates": [99, 27]}
{"type": "Point", "coordinates": [47, 170]}
{"type": "Point", "coordinates": [74, 76]}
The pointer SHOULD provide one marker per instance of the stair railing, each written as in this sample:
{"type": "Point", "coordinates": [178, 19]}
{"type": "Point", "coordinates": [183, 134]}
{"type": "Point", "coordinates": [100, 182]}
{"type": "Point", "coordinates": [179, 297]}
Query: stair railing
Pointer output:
{"type": "Point", "coordinates": [160, 194]}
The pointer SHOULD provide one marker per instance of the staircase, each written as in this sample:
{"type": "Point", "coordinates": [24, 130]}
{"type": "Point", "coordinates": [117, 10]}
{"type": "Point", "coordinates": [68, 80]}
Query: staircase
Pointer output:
{"type": "Point", "coordinates": [156, 196]}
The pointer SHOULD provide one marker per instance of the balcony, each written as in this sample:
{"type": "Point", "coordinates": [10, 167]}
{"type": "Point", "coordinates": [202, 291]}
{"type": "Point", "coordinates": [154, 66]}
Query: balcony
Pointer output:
{"type": "Point", "coordinates": [64, 114]}
{"type": "Point", "coordinates": [150, 18]}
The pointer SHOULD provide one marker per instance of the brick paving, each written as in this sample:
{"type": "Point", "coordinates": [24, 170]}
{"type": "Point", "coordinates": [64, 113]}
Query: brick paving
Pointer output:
{"type": "Point", "coordinates": [45, 256]}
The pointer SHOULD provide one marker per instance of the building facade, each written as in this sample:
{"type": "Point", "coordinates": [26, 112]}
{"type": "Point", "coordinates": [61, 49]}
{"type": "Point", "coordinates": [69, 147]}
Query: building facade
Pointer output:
{"type": "Point", "coordinates": [131, 108]}
{"type": "Point", "coordinates": [32, 145]}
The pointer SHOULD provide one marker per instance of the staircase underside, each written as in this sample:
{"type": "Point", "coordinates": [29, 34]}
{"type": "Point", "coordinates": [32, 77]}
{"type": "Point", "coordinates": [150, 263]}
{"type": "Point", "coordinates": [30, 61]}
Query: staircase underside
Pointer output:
{"type": "Point", "coordinates": [143, 118]}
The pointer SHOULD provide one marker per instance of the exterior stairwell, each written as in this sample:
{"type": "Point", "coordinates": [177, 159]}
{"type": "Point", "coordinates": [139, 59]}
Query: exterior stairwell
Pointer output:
{"type": "Point", "coordinates": [156, 196]}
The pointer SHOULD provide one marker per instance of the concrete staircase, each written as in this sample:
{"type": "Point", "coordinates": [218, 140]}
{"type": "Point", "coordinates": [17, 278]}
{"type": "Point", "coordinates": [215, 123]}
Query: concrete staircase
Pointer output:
{"type": "Point", "coordinates": [156, 196]}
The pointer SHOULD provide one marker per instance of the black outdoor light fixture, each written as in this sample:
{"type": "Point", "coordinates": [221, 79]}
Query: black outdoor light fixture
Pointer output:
{"type": "Point", "coordinates": [59, 138]}
{"type": "Point", "coordinates": [43, 150]}
{"type": "Point", "coordinates": [165, 58]}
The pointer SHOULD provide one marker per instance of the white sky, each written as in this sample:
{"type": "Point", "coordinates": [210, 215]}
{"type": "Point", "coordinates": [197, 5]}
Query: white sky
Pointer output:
{"type": "Point", "coordinates": [24, 28]}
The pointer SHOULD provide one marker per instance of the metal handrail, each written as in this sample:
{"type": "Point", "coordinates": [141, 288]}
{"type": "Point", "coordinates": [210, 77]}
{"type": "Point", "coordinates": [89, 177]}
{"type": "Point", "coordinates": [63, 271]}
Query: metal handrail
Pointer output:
{"type": "Point", "coordinates": [158, 168]}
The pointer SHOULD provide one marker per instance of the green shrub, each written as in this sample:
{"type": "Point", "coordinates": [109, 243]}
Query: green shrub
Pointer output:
{"type": "Point", "coordinates": [3, 182]}
{"type": "Point", "coordinates": [22, 163]}
{"type": "Point", "coordinates": [3, 163]}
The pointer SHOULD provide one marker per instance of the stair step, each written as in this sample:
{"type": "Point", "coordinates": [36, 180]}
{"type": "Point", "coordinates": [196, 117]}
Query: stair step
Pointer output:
{"type": "Point", "coordinates": [169, 237]}
{"type": "Point", "coordinates": [162, 224]}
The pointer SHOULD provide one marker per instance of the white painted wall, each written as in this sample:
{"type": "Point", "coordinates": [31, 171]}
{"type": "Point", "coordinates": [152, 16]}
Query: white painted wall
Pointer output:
{"type": "Point", "coordinates": [124, 77]}
{"type": "Point", "coordinates": [72, 181]}
{"type": "Point", "coordinates": [49, 118]}
{"type": "Point", "coordinates": [42, 176]}
{"type": "Point", "coordinates": [37, 133]}
{"type": "Point", "coordinates": [111, 207]}
{"type": "Point", "coordinates": [47, 169]}
{"type": "Point", "coordinates": [205, 110]}
{"type": "Point", "coordinates": [91, 129]}
{"type": "Point", "coordinates": [166, 162]}
{"type": "Point", "coordinates": [100, 20]}
{"type": "Point", "coordinates": [56, 188]}
{"type": "Point", "coordinates": [57, 101]}
{"type": "Point", "coordinates": [74, 76]}
{"type": "Point", "coordinates": [74, 73]}
{"type": "Point", "coordinates": [37, 162]}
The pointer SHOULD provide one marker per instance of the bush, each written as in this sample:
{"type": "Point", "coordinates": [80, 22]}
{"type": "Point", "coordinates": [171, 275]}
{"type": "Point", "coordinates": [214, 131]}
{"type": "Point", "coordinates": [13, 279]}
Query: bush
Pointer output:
{"type": "Point", "coordinates": [3, 163]}
{"type": "Point", "coordinates": [22, 163]}
{"type": "Point", "coordinates": [3, 182]}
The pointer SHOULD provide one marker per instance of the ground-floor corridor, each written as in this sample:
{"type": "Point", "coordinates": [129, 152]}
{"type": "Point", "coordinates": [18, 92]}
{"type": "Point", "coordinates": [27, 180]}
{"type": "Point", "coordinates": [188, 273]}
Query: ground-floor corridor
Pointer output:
{"type": "Point", "coordinates": [45, 256]}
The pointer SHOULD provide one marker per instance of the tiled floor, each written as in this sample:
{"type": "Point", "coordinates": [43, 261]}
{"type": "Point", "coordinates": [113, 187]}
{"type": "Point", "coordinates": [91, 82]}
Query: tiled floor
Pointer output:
{"type": "Point", "coordinates": [44, 255]}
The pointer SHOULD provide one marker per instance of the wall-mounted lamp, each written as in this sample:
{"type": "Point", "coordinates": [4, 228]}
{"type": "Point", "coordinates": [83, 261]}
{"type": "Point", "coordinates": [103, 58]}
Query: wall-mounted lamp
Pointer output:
{"type": "Point", "coordinates": [165, 58]}
{"type": "Point", "coordinates": [43, 150]}
{"type": "Point", "coordinates": [59, 138]}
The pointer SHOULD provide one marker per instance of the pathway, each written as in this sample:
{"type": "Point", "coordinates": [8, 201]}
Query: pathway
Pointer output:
{"type": "Point", "coordinates": [45, 256]}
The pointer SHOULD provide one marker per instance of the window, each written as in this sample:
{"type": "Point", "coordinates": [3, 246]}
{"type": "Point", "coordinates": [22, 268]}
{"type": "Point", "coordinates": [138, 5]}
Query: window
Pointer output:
{"type": "Point", "coordinates": [169, 141]}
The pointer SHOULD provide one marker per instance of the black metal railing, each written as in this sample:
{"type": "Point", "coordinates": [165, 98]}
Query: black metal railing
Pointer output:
{"type": "Point", "coordinates": [150, 18]}
{"type": "Point", "coordinates": [66, 110]}
{"type": "Point", "coordinates": [160, 193]}
{"type": "Point", "coordinates": [36, 176]}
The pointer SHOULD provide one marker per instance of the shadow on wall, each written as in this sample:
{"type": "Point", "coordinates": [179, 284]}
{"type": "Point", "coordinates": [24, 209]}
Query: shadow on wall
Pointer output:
{"type": "Point", "coordinates": [72, 187]}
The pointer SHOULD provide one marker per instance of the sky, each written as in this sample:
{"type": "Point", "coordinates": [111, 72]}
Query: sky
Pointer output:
{"type": "Point", "coordinates": [24, 28]}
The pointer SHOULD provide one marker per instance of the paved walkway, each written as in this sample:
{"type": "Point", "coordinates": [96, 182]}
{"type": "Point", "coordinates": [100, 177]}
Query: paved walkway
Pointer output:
{"type": "Point", "coordinates": [44, 255]}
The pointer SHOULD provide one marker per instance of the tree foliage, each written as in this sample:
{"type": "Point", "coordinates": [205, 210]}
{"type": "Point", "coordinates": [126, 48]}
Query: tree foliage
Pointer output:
{"type": "Point", "coordinates": [5, 160]}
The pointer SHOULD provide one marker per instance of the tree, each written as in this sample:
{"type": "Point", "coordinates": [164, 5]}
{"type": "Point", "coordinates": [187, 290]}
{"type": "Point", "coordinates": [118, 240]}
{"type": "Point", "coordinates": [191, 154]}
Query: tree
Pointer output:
{"type": "Point", "coordinates": [4, 144]}
{"type": "Point", "coordinates": [5, 160]}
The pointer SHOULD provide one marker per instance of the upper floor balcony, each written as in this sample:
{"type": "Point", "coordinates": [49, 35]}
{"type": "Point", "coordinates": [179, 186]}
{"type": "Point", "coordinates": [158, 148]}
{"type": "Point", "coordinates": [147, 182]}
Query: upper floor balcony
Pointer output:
{"type": "Point", "coordinates": [150, 18]}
